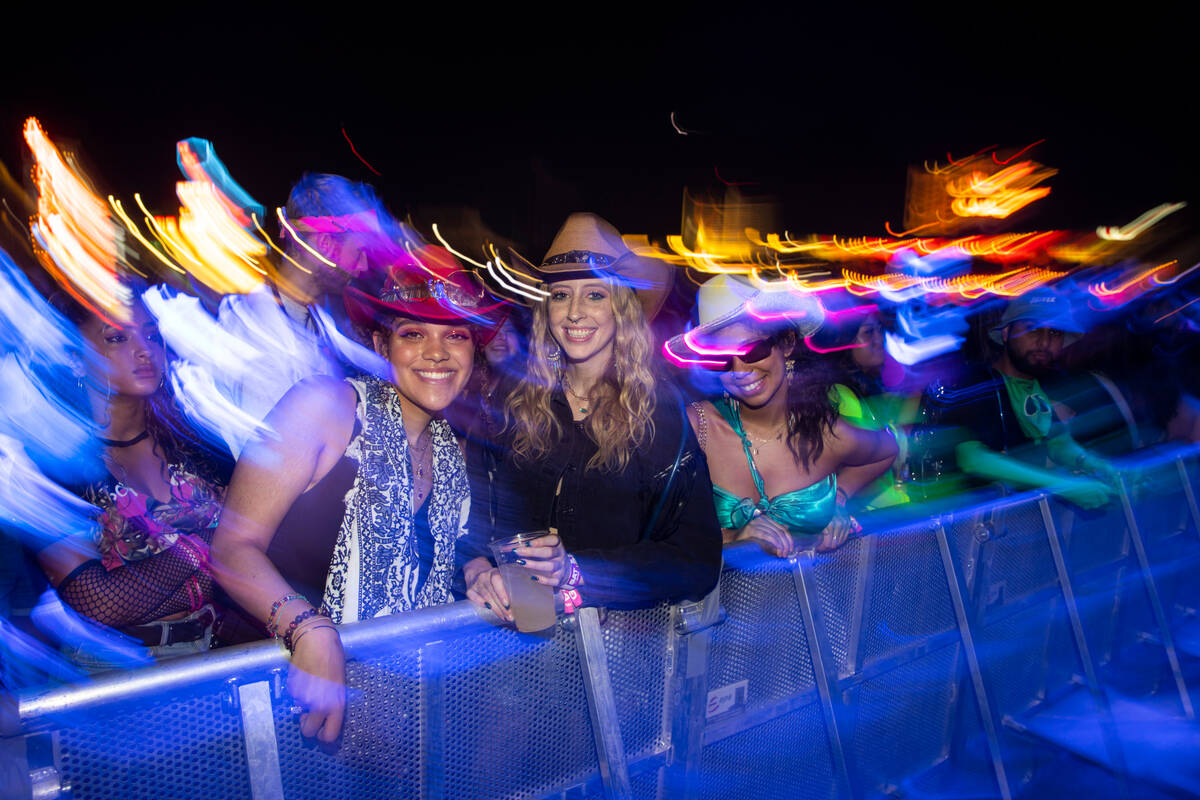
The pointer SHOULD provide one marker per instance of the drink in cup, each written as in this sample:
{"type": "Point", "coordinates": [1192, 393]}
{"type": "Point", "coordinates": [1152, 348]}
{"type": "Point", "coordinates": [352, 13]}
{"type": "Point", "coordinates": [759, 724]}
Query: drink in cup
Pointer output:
{"type": "Point", "coordinates": [531, 602]}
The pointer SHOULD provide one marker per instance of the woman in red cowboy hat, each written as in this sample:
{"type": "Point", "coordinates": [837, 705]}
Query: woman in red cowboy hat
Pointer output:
{"type": "Point", "coordinates": [354, 506]}
{"type": "Point", "coordinates": [596, 449]}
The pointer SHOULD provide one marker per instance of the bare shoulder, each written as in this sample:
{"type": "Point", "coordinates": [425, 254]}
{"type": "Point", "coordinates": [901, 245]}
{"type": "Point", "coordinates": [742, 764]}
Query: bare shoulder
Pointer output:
{"type": "Point", "coordinates": [318, 408]}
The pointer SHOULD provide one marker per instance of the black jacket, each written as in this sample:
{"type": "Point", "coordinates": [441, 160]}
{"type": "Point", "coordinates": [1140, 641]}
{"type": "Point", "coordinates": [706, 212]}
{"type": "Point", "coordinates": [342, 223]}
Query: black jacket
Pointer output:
{"type": "Point", "coordinates": [601, 516]}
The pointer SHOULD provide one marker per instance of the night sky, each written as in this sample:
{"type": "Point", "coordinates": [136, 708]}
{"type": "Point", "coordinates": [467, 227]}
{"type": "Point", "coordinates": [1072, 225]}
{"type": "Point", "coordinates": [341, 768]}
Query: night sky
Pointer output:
{"type": "Point", "coordinates": [529, 118]}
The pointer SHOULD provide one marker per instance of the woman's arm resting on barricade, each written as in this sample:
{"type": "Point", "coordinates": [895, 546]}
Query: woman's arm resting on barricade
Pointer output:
{"type": "Point", "coordinates": [312, 426]}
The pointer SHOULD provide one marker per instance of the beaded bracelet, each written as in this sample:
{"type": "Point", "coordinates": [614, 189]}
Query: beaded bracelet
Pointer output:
{"type": "Point", "coordinates": [278, 604]}
{"type": "Point", "coordinates": [296, 620]}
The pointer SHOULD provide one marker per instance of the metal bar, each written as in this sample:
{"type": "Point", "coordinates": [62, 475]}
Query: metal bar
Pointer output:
{"type": "Point", "coordinates": [1189, 493]}
{"type": "Point", "coordinates": [864, 581]}
{"type": "Point", "coordinates": [433, 710]}
{"type": "Point", "coordinates": [1112, 742]}
{"type": "Point", "coordinates": [606, 725]}
{"type": "Point", "coordinates": [1168, 640]}
{"type": "Point", "coordinates": [823, 672]}
{"type": "Point", "coordinates": [217, 666]}
{"type": "Point", "coordinates": [687, 733]}
{"type": "Point", "coordinates": [262, 748]}
{"type": "Point", "coordinates": [956, 583]}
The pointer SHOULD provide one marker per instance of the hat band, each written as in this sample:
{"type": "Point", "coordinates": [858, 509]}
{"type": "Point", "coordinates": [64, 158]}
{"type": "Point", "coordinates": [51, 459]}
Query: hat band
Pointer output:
{"type": "Point", "coordinates": [430, 290]}
{"type": "Point", "coordinates": [358, 222]}
{"type": "Point", "coordinates": [585, 258]}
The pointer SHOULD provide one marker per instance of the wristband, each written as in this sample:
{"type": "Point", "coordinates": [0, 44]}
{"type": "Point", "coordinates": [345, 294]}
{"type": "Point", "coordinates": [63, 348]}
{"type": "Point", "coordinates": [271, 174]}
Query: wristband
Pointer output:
{"type": "Point", "coordinates": [575, 577]}
{"type": "Point", "coordinates": [278, 604]}
{"type": "Point", "coordinates": [571, 600]}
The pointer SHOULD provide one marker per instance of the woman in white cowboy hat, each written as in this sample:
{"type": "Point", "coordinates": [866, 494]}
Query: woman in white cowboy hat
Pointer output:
{"type": "Point", "coordinates": [596, 448]}
{"type": "Point", "coordinates": [354, 505]}
{"type": "Point", "coordinates": [774, 441]}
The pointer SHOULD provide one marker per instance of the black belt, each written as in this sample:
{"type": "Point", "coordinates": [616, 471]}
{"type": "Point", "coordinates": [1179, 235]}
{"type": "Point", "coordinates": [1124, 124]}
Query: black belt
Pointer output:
{"type": "Point", "coordinates": [166, 633]}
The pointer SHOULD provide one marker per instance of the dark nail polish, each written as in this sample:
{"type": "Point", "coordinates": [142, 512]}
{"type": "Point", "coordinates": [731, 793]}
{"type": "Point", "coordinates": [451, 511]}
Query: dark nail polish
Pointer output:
{"type": "Point", "coordinates": [521, 561]}
{"type": "Point", "coordinates": [487, 606]}
{"type": "Point", "coordinates": [533, 577]}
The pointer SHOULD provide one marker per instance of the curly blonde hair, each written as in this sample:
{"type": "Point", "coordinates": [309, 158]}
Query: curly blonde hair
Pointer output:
{"type": "Point", "coordinates": [622, 401]}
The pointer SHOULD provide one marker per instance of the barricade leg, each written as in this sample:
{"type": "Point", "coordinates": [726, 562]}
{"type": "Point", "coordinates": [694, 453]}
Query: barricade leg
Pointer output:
{"type": "Point", "coordinates": [693, 635]}
{"type": "Point", "coordinates": [1160, 617]}
{"type": "Point", "coordinates": [1112, 743]}
{"type": "Point", "coordinates": [958, 592]}
{"type": "Point", "coordinates": [824, 671]}
{"type": "Point", "coordinates": [603, 709]}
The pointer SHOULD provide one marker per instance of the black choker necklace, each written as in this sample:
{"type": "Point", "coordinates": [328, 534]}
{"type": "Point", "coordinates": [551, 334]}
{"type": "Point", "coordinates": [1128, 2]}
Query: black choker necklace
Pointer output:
{"type": "Point", "coordinates": [124, 442]}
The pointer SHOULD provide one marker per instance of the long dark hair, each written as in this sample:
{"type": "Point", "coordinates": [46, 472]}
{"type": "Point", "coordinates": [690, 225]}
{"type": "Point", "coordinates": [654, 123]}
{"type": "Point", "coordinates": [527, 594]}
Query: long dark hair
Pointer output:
{"type": "Point", "coordinates": [811, 413]}
{"type": "Point", "coordinates": [176, 440]}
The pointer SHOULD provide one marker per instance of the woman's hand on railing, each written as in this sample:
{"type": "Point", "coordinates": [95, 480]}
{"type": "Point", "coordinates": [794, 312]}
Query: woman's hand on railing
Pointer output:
{"type": "Point", "coordinates": [317, 682]}
{"type": "Point", "coordinates": [770, 535]}
{"type": "Point", "coordinates": [485, 587]}
{"type": "Point", "coordinates": [838, 531]}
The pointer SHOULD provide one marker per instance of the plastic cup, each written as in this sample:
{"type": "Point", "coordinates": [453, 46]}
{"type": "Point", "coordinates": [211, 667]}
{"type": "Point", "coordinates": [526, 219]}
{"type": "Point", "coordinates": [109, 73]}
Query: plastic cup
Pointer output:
{"type": "Point", "coordinates": [531, 602]}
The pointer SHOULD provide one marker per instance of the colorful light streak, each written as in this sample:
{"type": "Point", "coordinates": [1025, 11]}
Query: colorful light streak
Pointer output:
{"type": "Point", "coordinates": [1126, 233]}
{"type": "Point", "coordinates": [75, 232]}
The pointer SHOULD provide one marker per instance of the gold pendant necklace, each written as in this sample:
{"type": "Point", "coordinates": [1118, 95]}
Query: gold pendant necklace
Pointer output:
{"type": "Point", "coordinates": [567, 385]}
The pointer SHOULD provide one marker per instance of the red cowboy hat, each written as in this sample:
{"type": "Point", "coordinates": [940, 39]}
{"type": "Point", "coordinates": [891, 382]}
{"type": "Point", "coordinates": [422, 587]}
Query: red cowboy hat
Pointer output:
{"type": "Point", "coordinates": [428, 285]}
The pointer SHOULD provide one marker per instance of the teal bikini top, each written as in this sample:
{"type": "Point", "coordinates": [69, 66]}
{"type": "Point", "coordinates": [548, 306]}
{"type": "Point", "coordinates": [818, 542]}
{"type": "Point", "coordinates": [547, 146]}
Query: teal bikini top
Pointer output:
{"type": "Point", "coordinates": [804, 511]}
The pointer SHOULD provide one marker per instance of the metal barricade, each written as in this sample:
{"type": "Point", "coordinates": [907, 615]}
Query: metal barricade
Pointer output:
{"type": "Point", "coordinates": [907, 662]}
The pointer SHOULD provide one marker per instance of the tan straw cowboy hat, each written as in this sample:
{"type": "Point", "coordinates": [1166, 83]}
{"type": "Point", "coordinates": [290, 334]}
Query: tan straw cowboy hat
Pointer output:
{"type": "Point", "coordinates": [588, 246]}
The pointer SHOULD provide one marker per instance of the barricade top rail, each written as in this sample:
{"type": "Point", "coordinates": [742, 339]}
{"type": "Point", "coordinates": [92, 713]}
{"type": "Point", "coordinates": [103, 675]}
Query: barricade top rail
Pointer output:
{"type": "Point", "coordinates": [257, 658]}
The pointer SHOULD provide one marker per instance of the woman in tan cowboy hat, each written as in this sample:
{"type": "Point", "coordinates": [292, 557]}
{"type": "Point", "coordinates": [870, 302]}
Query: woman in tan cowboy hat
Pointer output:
{"type": "Point", "coordinates": [596, 449]}
{"type": "Point", "coordinates": [355, 505]}
{"type": "Point", "coordinates": [775, 443]}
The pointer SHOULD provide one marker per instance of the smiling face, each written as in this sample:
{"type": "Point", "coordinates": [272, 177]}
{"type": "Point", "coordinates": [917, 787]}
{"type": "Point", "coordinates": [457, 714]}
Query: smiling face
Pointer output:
{"type": "Point", "coordinates": [127, 361]}
{"type": "Point", "coordinates": [758, 383]}
{"type": "Point", "coordinates": [869, 353]}
{"type": "Point", "coordinates": [430, 363]}
{"type": "Point", "coordinates": [503, 346]}
{"type": "Point", "coordinates": [581, 318]}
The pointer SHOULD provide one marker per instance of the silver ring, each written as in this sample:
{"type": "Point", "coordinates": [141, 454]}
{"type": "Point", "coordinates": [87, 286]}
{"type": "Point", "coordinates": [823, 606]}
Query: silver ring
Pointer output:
{"type": "Point", "coordinates": [296, 709]}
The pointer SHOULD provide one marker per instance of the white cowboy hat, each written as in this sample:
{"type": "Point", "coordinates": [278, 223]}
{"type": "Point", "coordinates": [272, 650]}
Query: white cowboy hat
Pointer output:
{"type": "Point", "coordinates": [726, 299]}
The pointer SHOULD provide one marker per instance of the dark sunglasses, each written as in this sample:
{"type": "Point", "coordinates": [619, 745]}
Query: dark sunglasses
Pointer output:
{"type": "Point", "coordinates": [757, 352]}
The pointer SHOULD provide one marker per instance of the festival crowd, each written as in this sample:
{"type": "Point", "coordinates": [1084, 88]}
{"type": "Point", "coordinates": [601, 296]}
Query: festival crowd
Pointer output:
{"type": "Point", "coordinates": [423, 416]}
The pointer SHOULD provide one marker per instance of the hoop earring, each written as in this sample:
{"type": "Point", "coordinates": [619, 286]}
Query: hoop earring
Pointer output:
{"type": "Point", "coordinates": [554, 354]}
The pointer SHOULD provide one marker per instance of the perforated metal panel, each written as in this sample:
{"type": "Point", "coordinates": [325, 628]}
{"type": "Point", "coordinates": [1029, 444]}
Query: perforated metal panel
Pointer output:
{"type": "Point", "coordinates": [1019, 559]}
{"type": "Point", "coordinates": [635, 644]}
{"type": "Point", "coordinates": [908, 599]}
{"type": "Point", "coordinates": [763, 640]}
{"type": "Point", "coordinates": [1094, 537]}
{"type": "Point", "coordinates": [379, 756]}
{"type": "Point", "coordinates": [188, 747]}
{"type": "Point", "coordinates": [903, 719]}
{"type": "Point", "coordinates": [1023, 653]}
{"type": "Point", "coordinates": [1165, 521]}
{"type": "Point", "coordinates": [517, 717]}
{"type": "Point", "coordinates": [787, 758]}
{"type": "Point", "coordinates": [836, 578]}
